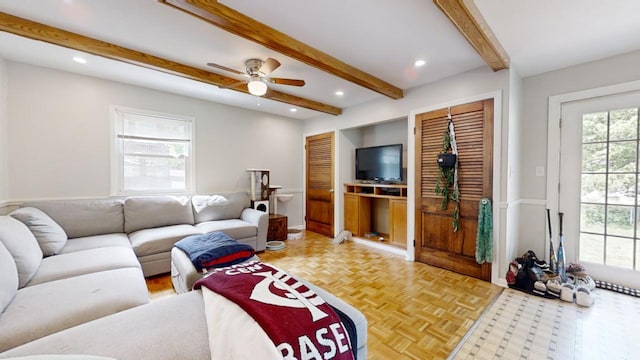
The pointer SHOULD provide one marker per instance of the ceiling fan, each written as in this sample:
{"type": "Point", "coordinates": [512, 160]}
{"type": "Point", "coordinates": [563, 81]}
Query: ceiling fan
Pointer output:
{"type": "Point", "coordinates": [257, 71]}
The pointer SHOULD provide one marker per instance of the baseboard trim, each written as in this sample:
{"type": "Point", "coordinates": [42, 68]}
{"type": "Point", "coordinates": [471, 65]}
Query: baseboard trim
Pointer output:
{"type": "Point", "coordinates": [502, 282]}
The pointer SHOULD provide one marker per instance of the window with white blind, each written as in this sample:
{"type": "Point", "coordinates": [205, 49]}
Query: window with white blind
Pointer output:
{"type": "Point", "coordinates": [151, 152]}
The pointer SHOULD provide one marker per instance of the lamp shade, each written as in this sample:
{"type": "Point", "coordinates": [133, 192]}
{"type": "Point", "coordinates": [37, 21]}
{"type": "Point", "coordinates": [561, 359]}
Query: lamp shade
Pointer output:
{"type": "Point", "coordinates": [257, 87]}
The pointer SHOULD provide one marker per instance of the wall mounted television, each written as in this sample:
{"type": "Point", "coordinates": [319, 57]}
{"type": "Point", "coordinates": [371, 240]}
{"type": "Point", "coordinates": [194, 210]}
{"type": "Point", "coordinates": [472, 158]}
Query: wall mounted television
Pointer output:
{"type": "Point", "coordinates": [379, 163]}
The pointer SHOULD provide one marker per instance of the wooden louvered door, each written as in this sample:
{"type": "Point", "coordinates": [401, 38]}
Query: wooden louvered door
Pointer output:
{"type": "Point", "coordinates": [319, 187]}
{"type": "Point", "coordinates": [436, 242]}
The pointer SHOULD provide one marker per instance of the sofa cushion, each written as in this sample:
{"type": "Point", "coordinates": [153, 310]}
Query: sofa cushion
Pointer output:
{"type": "Point", "coordinates": [81, 218]}
{"type": "Point", "coordinates": [8, 277]}
{"type": "Point", "coordinates": [51, 237]}
{"type": "Point", "coordinates": [143, 212]}
{"type": "Point", "coordinates": [167, 329]}
{"type": "Point", "coordinates": [23, 246]}
{"type": "Point", "coordinates": [159, 240]}
{"type": "Point", "coordinates": [44, 309]}
{"type": "Point", "coordinates": [97, 241]}
{"type": "Point", "coordinates": [219, 207]}
{"type": "Point", "coordinates": [235, 228]}
{"type": "Point", "coordinates": [84, 262]}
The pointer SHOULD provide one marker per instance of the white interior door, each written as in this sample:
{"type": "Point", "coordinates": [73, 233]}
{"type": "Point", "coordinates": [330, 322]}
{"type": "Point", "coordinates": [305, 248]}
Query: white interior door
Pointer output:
{"type": "Point", "coordinates": [598, 192]}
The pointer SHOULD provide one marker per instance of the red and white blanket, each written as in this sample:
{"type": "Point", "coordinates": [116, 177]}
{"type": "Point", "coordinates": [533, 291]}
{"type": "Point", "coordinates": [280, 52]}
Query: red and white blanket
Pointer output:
{"type": "Point", "coordinates": [293, 322]}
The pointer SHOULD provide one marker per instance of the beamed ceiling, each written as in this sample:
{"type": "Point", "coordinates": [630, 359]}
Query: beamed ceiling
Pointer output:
{"type": "Point", "coordinates": [365, 49]}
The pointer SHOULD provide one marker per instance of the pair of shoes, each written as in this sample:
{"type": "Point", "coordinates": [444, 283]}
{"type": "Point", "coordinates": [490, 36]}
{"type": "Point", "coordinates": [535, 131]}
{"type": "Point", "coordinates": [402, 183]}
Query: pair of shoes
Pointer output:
{"type": "Point", "coordinates": [567, 292]}
{"type": "Point", "coordinates": [554, 285]}
{"type": "Point", "coordinates": [584, 297]}
{"type": "Point", "coordinates": [583, 280]}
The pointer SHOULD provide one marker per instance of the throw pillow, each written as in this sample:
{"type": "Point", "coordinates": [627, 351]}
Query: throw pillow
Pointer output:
{"type": "Point", "coordinates": [51, 237]}
{"type": "Point", "coordinates": [23, 246]}
{"type": "Point", "coordinates": [219, 207]}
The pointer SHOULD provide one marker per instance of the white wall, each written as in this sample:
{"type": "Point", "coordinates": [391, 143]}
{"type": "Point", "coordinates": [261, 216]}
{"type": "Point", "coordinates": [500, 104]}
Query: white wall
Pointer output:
{"type": "Point", "coordinates": [59, 138]}
{"type": "Point", "coordinates": [537, 90]}
{"type": "Point", "coordinates": [4, 170]}
{"type": "Point", "coordinates": [391, 132]}
{"type": "Point", "coordinates": [449, 91]}
{"type": "Point", "coordinates": [514, 201]}
{"type": "Point", "coordinates": [348, 140]}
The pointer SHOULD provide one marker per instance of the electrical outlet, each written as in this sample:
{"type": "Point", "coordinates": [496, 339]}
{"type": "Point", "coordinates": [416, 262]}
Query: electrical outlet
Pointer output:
{"type": "Point", "coordinates": [539, 170]}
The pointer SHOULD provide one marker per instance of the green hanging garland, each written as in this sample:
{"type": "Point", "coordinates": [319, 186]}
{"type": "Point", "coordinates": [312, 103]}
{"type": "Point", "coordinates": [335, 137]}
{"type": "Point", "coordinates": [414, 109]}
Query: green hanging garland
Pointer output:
{"type": "Point", "coordinates": [445, 184]}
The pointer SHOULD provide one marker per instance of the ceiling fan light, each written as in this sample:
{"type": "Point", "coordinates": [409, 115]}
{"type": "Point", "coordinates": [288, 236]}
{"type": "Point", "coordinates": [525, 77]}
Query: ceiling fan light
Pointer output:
{"type": "Point", "coordinates": [257, 87]}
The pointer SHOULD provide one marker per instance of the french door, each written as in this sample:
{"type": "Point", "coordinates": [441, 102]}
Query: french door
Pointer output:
{"type": "Point", "coordinates": [598, 192]}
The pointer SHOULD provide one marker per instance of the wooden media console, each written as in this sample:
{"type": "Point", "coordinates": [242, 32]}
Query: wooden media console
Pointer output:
{"type": "Point", "coordinates": [359, 211]}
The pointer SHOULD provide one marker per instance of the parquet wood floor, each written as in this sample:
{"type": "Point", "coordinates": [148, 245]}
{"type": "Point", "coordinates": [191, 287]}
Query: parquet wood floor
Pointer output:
{"type": "Point", "coordinates": [414, 311]}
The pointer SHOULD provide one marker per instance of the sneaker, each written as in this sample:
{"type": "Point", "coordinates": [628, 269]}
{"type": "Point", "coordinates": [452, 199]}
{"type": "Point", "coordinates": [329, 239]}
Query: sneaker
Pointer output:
{"type": "Point", "coordinates": [542, 265]}
{"type": "Point", "coordinates": [554, 286]}
{"type": "Point", "coordinates": [584, 297]}
{"type": "Point", "coordinates": [584, 281]}
{"type": "Point", "coordinates": [576, 269]}
{"type": "Point", "coordinates": [539, 288]}
{"type": "Point", "coordinates": [567, 292]}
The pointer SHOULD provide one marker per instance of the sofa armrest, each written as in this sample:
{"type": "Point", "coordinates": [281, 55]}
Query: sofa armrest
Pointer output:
{"type": "Point", "coordinates": [261, 220]}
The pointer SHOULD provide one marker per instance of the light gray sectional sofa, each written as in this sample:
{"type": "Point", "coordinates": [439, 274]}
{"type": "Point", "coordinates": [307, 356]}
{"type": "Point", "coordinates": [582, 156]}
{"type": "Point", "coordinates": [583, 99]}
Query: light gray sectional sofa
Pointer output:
{"type": "Point", "coordinates": [40, 296]}
{"type": "Point", "coordinates": [152, 224]}
{"type": "Point", "coordinates": [72, 276]}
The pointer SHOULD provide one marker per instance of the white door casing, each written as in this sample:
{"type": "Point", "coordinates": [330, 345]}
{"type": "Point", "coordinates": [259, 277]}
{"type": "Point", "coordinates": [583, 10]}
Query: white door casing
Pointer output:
{"type": "Point", "coordinates": [569, 169]}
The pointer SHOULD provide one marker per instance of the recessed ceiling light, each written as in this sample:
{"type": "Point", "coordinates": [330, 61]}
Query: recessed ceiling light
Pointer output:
{"type": "Point", "coordinates": [79, 60]}
{"type": "Point", "coordinates": [419, 63]}
{"type": "Point", "coordinates": [339, 93]}
{"type": "Point", "coordinates": [293, 109]}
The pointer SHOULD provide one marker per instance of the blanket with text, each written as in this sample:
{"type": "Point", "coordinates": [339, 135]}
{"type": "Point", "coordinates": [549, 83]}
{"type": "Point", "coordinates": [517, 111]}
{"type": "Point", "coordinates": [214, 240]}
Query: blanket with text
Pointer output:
{"type": "Point", "coordinates": [300, 324]}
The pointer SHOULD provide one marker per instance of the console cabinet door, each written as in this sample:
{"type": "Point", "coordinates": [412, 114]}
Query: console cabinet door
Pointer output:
{"type": "Point", "coordinates": [398, 222]}
{"type": "Point", "coordinates": [357, 214]}
{"type": "Point", "coordinates": [351, 214]}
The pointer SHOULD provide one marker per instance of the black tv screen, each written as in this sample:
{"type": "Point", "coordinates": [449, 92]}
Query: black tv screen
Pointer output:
{"type": "Point", "coordinates": [379, 163]}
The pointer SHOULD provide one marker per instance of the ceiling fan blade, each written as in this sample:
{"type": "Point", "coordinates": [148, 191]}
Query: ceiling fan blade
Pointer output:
{"type": "Point", "coordinates": [227, 69]}
{"type": "Point", "coordinates": [269, 66]}
{"type": "Point", "coordinates": [292, 82]}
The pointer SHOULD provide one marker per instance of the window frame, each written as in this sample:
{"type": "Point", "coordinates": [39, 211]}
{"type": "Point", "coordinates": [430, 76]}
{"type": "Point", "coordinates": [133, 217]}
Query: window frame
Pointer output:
{"type": "Point", "coordinates": [117, 169]}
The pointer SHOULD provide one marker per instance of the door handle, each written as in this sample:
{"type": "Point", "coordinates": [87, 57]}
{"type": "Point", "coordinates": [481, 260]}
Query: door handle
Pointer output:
{"type": "Point", "coordinates": [330, 191]}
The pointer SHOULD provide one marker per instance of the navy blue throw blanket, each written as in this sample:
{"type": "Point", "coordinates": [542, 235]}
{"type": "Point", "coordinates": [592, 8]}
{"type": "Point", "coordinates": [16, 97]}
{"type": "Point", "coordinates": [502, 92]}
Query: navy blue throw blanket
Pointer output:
{"type": "Point", "coordinates": [215, 249]}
